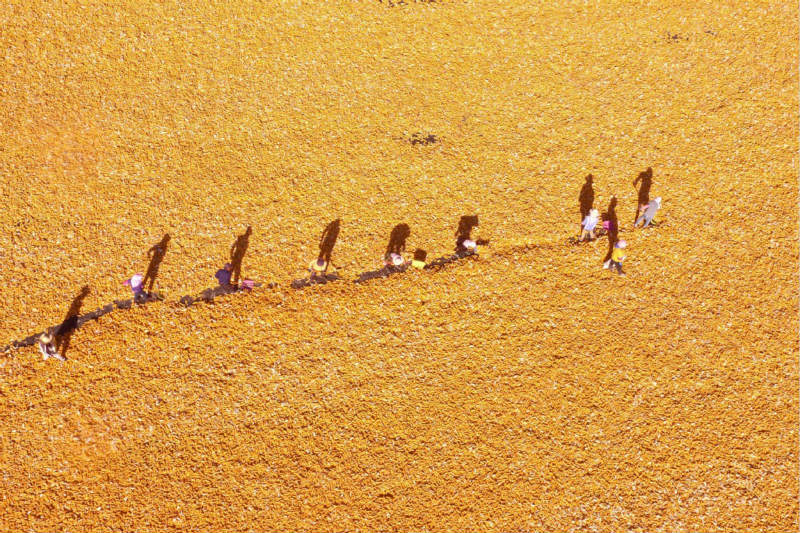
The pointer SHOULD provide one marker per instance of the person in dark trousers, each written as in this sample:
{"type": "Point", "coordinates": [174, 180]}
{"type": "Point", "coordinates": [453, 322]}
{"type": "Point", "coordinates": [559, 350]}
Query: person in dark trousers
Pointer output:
{"type": "Point", "coordinates": [156, 254]}
{"type": "Point", "coordinates": [613, 227]}
{"type": "Point", "coordinates": [644, 180]}
{"type": "Point", "coordinates": [238, 249]}
{"type": "Point", "coordinates": [586, 198]}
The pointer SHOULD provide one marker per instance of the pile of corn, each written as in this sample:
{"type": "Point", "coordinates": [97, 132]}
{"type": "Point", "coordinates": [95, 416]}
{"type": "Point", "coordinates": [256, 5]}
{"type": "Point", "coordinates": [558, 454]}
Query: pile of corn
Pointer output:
{"type": "Point", "coordinates": [528, 389]}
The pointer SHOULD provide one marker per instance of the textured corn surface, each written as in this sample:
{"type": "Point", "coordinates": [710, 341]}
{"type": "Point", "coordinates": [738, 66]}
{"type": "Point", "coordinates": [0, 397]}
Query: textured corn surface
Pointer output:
{"type": "Point", "coordinates": [527, 389]}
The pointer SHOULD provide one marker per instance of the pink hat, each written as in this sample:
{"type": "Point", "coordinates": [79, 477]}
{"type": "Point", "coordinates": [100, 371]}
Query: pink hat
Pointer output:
{"type": "Point", "coordinates": [621, 244]}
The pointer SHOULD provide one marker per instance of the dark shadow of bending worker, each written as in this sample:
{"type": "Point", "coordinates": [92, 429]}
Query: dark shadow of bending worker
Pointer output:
{"type": "Point", "coordinates": [613, 227]}
{"type": "Point", "coordinates": [328, 240]}
{"type": "Point", "coordinates": [586, 198]}
{"type": "Point", "coordinates": [646, 179]}
{"type": "Point", "coordinates": [464, 230]}
{"type": "Point", "coordinates": [156, 254]}
{"type": "Point", "coordinates": [238, 249]}
{"type": "Point", "coordinates": [63, 332]}
{"type": "Point", "coordinates": [397, 240]}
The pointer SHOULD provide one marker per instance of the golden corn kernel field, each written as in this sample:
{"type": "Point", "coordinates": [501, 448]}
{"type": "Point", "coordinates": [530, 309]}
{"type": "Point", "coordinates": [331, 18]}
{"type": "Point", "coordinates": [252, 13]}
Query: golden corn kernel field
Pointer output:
{"type": "Point", "coordinates": [526, 389]}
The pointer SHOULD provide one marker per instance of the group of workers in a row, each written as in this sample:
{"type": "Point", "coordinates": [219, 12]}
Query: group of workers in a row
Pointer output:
{"type": "Point", "coordinates": [465, 244]}
{"type": "Point", "coordinates": [646, 210]}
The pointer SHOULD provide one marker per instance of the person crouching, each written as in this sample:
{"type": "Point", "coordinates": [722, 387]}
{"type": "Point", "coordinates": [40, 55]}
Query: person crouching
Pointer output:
{"type": "Point", "coordinates": [223, 276]}
{"type": "Point", "coordinates": [318, 268]}
{"type": "Point", "coordinates": [47, 348]}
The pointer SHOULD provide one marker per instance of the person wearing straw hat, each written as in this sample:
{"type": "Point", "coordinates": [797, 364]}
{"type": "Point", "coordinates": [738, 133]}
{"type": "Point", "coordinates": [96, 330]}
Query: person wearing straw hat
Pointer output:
{"type": "Point", "coordinates": [318, 268]}
{"type": "Point", "coordinates": [394, 260]}
{"type": "Point", "coordinates": [48, 349]}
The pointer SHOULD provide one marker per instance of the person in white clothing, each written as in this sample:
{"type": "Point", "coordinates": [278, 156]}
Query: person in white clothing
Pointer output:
{"type": "Point", "coordinates": [589, 223]}
{"type": "Point", "coordinates": [394, 260]}
{"type": "Point", "coordinates": [135, 283]}
{"type": "Point", "coordinates": [649, 213]}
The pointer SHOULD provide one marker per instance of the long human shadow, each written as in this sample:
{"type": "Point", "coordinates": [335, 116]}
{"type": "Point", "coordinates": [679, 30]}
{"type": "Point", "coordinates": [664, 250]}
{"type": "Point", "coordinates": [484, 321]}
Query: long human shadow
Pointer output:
{"type": "Point", "coordinates": [613, 226]}
{"type": "Point", "coordinates": [63, 332]}
{"type": "Point", "coordinates": [75, 321]}
{"type": "Point", "coordinates": [586, 198]}
{"type": "Point", "coordinates": [156, 254]}
{"type": "Point", "coordinates": [238, 249]}
{"type": "Point", "coordinates": [645, 181]}
{"type": "Point", "coordinates": [326, 244]}
{"type": "Point", "coordinates": [328, 240]}
{"type": "Point", "coordinates": [464, 231]}
{"type": "Point", "coordinates": [396, 245]}
{"type": "Point", "coordinates": [397, 240]}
